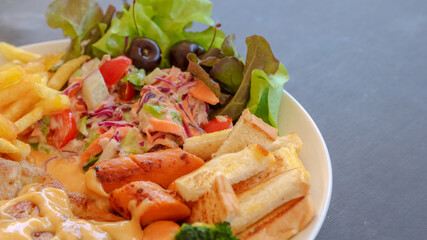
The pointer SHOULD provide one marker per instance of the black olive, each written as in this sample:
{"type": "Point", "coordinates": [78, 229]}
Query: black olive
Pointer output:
{"type": "Point", "coordinates": [145, 53]}
{"type": "Point", "coordinates": [178, 53]}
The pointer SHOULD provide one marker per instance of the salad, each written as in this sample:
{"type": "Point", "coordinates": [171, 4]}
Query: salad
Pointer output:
{"type": "Point", "coordinates": [134, 84]}
{"type": "Point", "coordinates": [151, 83]}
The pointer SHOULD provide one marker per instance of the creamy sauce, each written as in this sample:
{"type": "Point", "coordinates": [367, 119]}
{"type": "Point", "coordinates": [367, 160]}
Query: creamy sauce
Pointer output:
{"type": "Point", "coordinates": [93, 185]}
{"type": "Point", "coordinates": [69, 173]}
{"type": "Point", "coordinates": [56, 217]}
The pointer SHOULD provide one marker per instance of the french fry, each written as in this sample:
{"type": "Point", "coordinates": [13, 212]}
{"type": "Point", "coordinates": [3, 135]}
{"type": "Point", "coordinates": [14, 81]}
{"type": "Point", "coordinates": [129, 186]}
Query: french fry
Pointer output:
{"type": "Point", "coordinates": [25, 97]}
{"type": "Point", "coordinates": [17, 91]}
{"type": "Point", "coordinates": [40, 77]}
{"type": "Point", "coordinates": [64, 72]}
{"type": "Point", "coordinates": [50, 60]}
{"type": "Point", "coordinates": [23, 150]}
{"type": "Point", "coordinates": [54, 104]}
{"type": "Point", "coordinates": [29, 119]}
{"type": "Point", "coordinates": [20, 107]}
{"type": "Point", "coordinates": [45, 92]}
{"type": "Point", "coordinates": [34, 67]}
{"type": "Point", "coordinates": [7, 147]}
{"type": "Point", "coordinates": [13, 53]}
{"type": "Point", "coordinates": [10, 65]}
{"type": "Point", "coordinates": [8, 129]}
{"type": "Point", "coordinates": [11, 76]}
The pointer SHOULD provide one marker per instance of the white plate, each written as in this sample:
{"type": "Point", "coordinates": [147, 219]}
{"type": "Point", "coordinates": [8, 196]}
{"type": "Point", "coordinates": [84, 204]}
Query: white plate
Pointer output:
{"type": "Point", "coordinates": [292, 118]}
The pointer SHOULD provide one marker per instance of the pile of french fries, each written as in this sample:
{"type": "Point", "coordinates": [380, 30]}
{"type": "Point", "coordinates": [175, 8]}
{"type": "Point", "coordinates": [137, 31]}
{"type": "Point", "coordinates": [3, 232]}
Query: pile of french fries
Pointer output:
{"type": "Point", "coordinates": [28, 92]}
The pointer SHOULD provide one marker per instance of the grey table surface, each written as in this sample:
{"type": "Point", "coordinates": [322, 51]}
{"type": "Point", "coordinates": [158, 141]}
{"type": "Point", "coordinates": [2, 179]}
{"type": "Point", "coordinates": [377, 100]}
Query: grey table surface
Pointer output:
{"type": "Point", "coordinates": [360, 69]}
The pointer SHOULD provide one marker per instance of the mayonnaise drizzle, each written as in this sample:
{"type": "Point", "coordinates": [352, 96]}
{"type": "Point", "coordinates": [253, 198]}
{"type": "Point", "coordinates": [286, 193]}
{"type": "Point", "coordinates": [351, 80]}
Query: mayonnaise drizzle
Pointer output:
{"type": "Point", "coordinates": [56, 217]}
{"type": "Point", "coordinates": [93, 184]}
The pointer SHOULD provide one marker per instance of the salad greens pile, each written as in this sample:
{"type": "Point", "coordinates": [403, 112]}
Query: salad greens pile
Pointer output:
{"type": "Point", "coordinates": [255, 83]}
{"type": "Point", "coordinates": [163, 21]}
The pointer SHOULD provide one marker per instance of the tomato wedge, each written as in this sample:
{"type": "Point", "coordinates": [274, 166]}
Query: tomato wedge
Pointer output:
{"type": "Point", "coordinates": [63, 129]}
{"type": "Point", "coordinates": [126, 91]}
{"type": "Point", "coordinates": [218, 125]}
{"type": "Point", "coordinates": [114, 69]}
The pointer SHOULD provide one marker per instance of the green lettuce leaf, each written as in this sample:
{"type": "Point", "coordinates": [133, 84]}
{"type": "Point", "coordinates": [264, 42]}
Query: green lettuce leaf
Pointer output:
{"type": "Point", "coordinates": [91, 162]}
{"type": "Point", "coordinates": [259, 56]}
{"type": "Point", "coordinates": [136, 77]}
{"type": "Point", "coordinates": [82, 126]}
{"type": "Point", "coordinates": [98, 32]}
{"type": "Point", "coordinates": [77, 18]}
{"type": "Point", "coordinates": [265, 94]}
{"type": "Point", "coordinates": [163, 21]}
{"type": "Point", "coordinates": [154, 110]}
{"type": "Point", "coordinates": [130, 143]}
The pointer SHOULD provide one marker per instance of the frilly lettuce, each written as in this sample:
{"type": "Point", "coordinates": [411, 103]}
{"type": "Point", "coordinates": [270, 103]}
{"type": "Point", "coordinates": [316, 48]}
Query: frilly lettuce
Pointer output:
{"type": "Point", "coordinates": [259, 56]}
{"type": "Point", "coordinates": [77, 19]}
{"type": "Point", "coordinates": [164, 21]}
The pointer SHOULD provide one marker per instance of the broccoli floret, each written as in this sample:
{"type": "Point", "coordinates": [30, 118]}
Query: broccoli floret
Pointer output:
{"type": "Point", "coordinates": [219, 231]}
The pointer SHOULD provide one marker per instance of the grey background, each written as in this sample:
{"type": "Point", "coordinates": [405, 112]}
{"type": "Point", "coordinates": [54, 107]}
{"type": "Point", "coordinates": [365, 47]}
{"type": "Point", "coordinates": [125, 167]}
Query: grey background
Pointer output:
{"type": "Point", "coordinates": [359, 69]}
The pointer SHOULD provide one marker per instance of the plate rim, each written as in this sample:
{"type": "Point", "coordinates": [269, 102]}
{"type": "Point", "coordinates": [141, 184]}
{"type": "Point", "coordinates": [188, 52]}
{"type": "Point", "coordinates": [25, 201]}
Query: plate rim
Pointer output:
{"type": "Point", "coordinates": [323, 214]}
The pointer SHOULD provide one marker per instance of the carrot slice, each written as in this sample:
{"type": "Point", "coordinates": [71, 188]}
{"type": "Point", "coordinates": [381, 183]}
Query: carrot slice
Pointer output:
{"type": "Point", "coordinates": [161, 205]}
{"type": "Point", "coordinates": [203, 92]}
{"type": "Point", "coordinates": [161, 230]}
{"type": "Point", "coordinates": [167, 126]}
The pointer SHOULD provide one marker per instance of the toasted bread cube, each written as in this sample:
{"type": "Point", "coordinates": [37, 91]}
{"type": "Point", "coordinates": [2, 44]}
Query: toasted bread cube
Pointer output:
{"type": "Point", "coordinates": [249, 129]}
{"type": "Point", "coordinates": [235, 167]}
{"type": "Point", "coordinates": [204, 145]}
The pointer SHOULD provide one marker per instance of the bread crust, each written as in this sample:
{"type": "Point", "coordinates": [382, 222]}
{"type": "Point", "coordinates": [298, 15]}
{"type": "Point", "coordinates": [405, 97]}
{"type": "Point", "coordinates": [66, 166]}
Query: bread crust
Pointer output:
{"type": "Point", "coordinates": [284, 222]}
{"type": "Point", "coordinates": [218, 205]}
{"type": "Point", "coordinates": [249, 129]}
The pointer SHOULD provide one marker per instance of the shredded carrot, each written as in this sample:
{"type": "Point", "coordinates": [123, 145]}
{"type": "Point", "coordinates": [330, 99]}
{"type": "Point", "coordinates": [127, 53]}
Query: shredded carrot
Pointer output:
{"type": "Point", "coordinates": [94, 148]}
{"type": "Point", "coordinates": [203, 92]}
{"type": "Point", "coordinates": [149, 137]}
{"type": "Point", "coordinates": [167, 126]}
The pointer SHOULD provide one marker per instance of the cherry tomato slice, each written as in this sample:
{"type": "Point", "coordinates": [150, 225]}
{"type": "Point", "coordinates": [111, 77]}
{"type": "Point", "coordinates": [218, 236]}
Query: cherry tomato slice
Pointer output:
{"type": "Point", "coordinates": [63, 129]}
{"type": "Point", "coordinates": [114, 69]}
{"type": "Point", "coordinates": [126, 91]}
{"type": "Point", "coordinates": [216, 125]}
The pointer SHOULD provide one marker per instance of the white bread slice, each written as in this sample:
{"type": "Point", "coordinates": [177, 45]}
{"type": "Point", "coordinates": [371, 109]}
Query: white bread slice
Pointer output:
{"type": "Point", "coordinates": [249, 129]}
{"type": "Point", "coordinates": [286, 159]}
{"type": "Point", "coordinates": [282, 223]}
{"type": "Point", "coordinates": [204, 145]}
{"type": "Point", "coordinates": [291, 138]}
{"type": "Point", "coordinates": [235, 167]}
{"type": "Point", "coordinates": [217, 205]}
{"type": "Point", "coordinates": [262, 199]}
